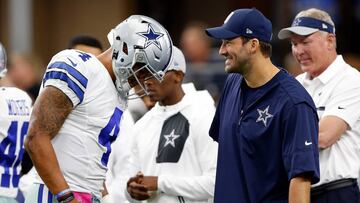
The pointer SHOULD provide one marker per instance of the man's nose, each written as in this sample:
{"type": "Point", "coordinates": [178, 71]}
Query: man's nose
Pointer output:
{"type": "Point", "coordinates": [222, 50]}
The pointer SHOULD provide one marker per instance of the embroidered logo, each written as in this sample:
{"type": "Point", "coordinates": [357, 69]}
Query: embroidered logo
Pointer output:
{"type": "Point", "coordinates": [264, 115]}
{"type": "Point", "coordinates": [248, 31]}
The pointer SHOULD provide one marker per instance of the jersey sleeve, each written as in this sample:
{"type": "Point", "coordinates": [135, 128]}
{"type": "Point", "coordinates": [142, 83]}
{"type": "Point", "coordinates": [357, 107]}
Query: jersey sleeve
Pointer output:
{"type": "Point", "coordinates": [67, 73]}
{"type": "Point", "coordinates": [215, 125]}
{"type": "Point", "coordinates": [300, 142]}
{"type": "Point", "coordinates": [345, 104]}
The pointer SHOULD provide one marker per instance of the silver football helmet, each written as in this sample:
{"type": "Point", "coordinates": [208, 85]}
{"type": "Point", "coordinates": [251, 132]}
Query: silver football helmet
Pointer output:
{"type": "Point", "coordinates": [2, 61]}
{"type": "Point", "coordinates": [142, 49]}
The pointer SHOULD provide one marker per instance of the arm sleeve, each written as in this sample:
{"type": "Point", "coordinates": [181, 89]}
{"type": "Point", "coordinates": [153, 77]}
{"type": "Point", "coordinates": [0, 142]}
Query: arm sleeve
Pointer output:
{"type": "Point", "coordinates": [118, 174]}
{"type": "Point", "coordinates": [133, 163]}
{"type": "Point", "coordinates": [196, 187]}
{"type": "Point", "coordinates": [300, 142]}
{"type": "Point", "coordinates": [68, 75]}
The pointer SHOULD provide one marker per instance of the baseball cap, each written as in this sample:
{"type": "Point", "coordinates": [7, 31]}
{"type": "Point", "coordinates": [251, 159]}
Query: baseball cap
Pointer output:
{"type": "Point", "coordinates": [178, 61]}
{"type": "Point", "coordinates": [306, 26]}
{"type": "Point", "coordinates": [249, 23]}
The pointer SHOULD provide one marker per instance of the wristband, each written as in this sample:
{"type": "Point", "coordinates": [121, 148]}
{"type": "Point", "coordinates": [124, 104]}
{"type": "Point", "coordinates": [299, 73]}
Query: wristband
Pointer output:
{"type": "Point", "coordinates": [68, 199]}
{"type": "Point", "coordinates": [60, 194]}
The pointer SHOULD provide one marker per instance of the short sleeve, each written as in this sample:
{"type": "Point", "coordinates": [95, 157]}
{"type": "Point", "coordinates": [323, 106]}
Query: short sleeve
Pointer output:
{"type": "Point", "coordinates": [214, 128]}
{"type": "Point", "coordinates": [68, 75]}
{"type": "Point", "coordinates": [345, 104]}
{"type": "Point", "coordinates": [300, 142]}
{"type": "Point", "coordinates": [215, 125]}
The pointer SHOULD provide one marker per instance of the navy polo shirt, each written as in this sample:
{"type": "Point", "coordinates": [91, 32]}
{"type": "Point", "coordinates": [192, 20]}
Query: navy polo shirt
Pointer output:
{"type": "Point", "coordinates": [266, 142]}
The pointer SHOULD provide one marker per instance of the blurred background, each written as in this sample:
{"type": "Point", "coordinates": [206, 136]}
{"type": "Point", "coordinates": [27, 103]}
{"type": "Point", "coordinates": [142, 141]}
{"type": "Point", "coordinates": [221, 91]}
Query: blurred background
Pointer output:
{"type": "Point", "coordinates": [38, 29]}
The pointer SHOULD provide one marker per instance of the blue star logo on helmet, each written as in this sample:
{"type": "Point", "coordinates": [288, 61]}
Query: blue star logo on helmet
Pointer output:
{"type": "Point", "coordinates": [151, 37]}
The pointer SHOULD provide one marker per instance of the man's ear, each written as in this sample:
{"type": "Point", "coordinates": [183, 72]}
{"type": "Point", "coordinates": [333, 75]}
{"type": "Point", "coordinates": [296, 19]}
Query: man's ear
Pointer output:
{"type": "Point", "coordinates": [179, 76]}
{"type": "Point", "coordinates": [254, 45]}
{"type": "Point", "coordinates": [331, 39]}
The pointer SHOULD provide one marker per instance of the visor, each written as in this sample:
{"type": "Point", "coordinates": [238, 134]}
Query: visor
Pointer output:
{"type": "Point", "coordinates": [305, 26]}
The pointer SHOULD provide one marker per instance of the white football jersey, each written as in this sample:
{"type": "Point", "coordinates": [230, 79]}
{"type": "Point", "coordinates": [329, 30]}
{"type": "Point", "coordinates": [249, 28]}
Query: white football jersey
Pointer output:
{"type": "Point", "coordinates": [15, 109]}
{"type": "Point", "coordinates": [82, 145]}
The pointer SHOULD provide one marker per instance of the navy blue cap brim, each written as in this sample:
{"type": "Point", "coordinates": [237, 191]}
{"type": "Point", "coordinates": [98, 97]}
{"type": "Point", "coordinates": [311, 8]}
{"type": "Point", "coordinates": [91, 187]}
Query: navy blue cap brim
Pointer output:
{"type": "Point", "coordinates": [220, 33]}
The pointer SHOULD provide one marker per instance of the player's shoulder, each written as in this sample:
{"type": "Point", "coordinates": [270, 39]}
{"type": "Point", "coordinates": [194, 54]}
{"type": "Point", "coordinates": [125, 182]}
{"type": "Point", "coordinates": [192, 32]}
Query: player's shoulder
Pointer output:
{"type": "Point", "coordinates": [71, 58]}
{"type": "Point", "coordinates": [201, 101]}
{"type": "Point", "coordinates": [14, 102]}
{"type": "Point", "coordinates": [71, 63]}
{"type": "Point", "coordinates": [351, 77]}
{"type": "Point", "coordinates": [145, 123]}
{"type": "Point", "coordinates": [233, 78]}
{"type": "Point", "coordinates": [294, 91]}
{"type": "Point", "coordinates": [73, 54]}
{"type": "Point", "coordinates": [14, 92]}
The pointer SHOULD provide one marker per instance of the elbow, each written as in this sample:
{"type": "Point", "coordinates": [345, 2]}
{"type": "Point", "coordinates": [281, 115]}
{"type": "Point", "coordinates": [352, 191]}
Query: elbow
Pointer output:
{"type": "Point", "coordinates": [30, 143]}
{"type": "Point", "coordinates": [325, 142]}
{"type": "Point", "coordinates": [27, 143]}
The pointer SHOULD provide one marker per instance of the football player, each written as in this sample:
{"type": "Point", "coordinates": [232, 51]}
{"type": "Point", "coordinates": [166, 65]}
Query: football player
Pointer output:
{"type": "Point", "coordinates": [15, 109]}
{"type": "Point", "coordinates": [81, 102]}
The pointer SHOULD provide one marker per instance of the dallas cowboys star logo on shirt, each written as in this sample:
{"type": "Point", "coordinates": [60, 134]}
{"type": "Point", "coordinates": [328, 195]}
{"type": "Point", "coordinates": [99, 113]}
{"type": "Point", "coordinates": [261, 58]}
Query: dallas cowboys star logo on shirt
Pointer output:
{"type": "Point", "coordinates": [151, 37]}
{"type": "Point", "coordinates": [264, 115]}
{"type": "Point", "coordinates": [170, 139]}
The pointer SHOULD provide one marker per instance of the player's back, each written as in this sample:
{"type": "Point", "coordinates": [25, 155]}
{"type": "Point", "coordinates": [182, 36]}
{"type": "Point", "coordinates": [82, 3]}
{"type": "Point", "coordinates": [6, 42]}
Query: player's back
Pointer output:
{"type": "Point", "coordinates": [15, 109]}
{"type": "Point", "coordinates": [82, 145]}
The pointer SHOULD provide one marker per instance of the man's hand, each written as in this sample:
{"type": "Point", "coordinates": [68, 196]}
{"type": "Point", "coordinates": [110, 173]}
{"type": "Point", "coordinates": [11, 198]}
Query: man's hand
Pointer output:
{"type": "Point", "coordinates": [136, 189]}
{"type": "Point", "coordinates": [141, 187]}
{"type": "Point", "coordinates": [150, 182]}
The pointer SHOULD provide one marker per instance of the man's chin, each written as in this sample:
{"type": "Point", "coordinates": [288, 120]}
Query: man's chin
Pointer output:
{"type": "Point", "coordinates": [228, 69]}
{"type": "Point", "coordinates": [305, 68]}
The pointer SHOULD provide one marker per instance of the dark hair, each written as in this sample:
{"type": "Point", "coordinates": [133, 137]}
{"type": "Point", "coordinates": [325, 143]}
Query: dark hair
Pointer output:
{"type": "Point", "coordinates": [265, 48]}
{"type": "Point", "coordinates": [85, 40]}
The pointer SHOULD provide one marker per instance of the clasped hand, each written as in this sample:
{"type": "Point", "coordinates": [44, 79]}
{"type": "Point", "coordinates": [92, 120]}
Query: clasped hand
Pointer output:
{"type": "Point", "coordinates": [142, 187]}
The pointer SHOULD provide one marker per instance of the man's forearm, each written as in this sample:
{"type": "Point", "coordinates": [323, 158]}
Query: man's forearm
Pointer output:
{"type": "Point", "coordinates": [46, 164]}
{"type": "Point", "coordinates": [49, 113]}
{"type": "Point", "coordinates": [299, 190]}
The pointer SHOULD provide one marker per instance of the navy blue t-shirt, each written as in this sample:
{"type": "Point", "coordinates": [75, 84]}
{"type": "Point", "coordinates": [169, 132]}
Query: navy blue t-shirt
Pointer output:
{"type": "Point", "coordinates": [266, 142]}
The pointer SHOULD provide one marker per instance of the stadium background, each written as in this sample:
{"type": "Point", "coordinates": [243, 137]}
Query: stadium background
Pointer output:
{"type": "Point", "coordinates": [44, 27]}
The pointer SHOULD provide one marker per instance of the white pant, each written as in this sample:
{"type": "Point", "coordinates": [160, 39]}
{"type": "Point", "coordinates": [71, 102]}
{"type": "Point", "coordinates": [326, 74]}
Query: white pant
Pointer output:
{"type": "Point", "coordinates": [7, 200]}
{"type": "Point", "coordinates": [39, 193]}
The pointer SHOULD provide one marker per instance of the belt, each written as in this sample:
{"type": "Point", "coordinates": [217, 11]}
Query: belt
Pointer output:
{"type": "Point", "coordinates": [333, 186]}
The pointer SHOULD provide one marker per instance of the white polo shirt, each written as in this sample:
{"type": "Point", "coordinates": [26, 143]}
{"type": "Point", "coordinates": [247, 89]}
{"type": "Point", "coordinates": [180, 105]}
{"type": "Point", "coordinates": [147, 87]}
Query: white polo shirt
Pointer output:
{"type": "Point", "coordinates": [336, 92]}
